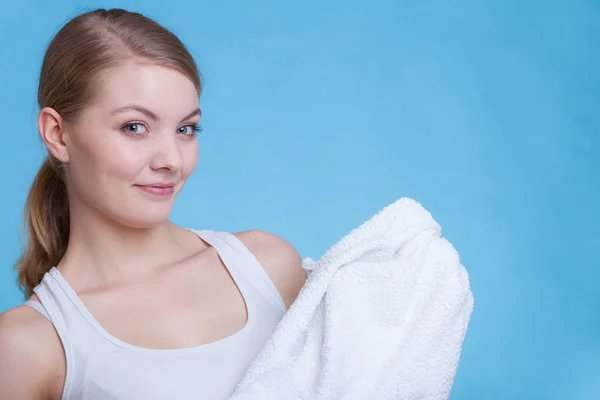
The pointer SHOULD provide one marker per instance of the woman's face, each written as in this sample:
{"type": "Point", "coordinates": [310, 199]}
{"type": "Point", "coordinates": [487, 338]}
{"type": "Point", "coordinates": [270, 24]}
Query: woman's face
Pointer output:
{"type": "Point", "coordinates": [131, 151]}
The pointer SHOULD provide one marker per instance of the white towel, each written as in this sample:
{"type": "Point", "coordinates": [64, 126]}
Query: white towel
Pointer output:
{"type": "Point", "coordinates": [382, 315]}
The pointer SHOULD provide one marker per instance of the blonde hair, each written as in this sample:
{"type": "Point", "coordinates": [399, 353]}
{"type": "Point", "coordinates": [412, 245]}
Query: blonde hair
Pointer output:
{"type": "Point", "coordinates": [85, 46]}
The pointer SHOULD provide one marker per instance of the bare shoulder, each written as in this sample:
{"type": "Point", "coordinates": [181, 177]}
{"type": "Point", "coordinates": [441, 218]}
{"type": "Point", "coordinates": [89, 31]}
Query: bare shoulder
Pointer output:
{"type": "Point", "coordinates": [280, 259]}
{"type": "Point", "coordinates": [32, 365]}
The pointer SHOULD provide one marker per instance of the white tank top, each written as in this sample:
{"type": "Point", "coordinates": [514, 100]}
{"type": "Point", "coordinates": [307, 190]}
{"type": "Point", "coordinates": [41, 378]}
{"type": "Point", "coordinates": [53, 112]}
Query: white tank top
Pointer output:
{"type": "Point", "coordinates": [100, 366]}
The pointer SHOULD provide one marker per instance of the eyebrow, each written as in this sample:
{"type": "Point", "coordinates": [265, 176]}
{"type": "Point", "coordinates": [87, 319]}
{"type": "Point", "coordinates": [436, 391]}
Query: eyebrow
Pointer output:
{"type": "Point", "coordinates": [149, 113]}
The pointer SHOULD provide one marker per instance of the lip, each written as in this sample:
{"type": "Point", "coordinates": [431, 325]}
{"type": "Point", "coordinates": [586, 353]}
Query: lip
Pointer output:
{"type": "Point", "coordinates": [158, 189]}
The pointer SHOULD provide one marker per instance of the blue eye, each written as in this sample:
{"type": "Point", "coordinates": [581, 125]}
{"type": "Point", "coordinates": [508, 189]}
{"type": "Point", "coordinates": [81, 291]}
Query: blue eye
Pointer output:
{"type": "Point", "coordinates": [190, 130]}
{"type": "Point", "coordinates": [134, 128]}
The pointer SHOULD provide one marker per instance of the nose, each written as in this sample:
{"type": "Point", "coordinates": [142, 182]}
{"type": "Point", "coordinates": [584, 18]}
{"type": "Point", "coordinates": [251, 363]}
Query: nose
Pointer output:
{"type": "Point", "coordinates": [167, 153]}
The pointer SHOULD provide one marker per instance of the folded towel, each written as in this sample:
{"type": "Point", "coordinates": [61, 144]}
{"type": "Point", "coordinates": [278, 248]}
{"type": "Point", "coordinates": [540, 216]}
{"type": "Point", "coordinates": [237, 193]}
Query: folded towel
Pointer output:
{"type": "Point", "coordinates": [382, 315]}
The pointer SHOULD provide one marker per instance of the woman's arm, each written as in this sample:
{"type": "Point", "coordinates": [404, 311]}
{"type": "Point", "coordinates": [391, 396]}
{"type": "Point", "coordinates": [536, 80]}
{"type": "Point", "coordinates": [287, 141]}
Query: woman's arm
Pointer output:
{"type": "Point", "coordinates": [280, 260]}
{"type": "Point", "coordinates": [32, 361]}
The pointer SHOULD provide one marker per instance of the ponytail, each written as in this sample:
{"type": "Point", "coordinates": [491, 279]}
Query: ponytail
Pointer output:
{"type": "Point", "coordinates": [45, 225]}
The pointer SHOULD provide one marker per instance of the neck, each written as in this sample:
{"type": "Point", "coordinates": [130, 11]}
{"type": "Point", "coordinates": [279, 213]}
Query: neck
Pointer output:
{"type": "Point", "coordinates": [103, 253]}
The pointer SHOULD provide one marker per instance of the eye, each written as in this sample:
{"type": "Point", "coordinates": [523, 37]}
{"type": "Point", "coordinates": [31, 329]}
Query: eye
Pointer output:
{"type": "Point", "coordinates": [134, 128]}
{"type": "Point", "coordinates": [190, 130]}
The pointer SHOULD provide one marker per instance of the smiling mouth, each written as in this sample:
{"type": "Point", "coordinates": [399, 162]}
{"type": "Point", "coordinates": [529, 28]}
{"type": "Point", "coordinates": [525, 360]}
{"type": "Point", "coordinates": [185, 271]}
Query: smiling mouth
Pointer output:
{"type": "Point", "coordinates": [160, 190]}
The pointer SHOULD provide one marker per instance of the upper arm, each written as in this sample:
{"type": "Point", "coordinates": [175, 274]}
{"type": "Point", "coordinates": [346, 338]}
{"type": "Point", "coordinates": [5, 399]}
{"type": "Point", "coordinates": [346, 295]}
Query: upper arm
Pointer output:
{"type": "Point", "coordinates": [32, 364]}
{"type": "Point", "coordinates": [280, 259]}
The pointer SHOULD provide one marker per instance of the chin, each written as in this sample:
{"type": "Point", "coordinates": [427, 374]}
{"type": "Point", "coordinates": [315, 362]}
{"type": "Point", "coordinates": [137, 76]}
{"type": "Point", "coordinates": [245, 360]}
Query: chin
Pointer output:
{"type": "Point", "coordinates": [142, 220]}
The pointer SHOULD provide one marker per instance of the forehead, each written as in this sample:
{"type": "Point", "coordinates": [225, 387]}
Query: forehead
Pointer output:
{"type": "Point", "coordinates": [162, 89]}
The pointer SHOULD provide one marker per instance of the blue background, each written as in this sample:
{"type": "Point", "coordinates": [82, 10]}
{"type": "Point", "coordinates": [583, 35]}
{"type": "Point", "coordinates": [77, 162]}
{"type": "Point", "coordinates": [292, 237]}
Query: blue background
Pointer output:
{"type": "Point", "coordinates": [318, 114]}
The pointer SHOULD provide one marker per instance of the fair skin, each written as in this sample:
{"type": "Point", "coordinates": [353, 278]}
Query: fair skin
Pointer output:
{"type": "Point", "coordinates": [147, 281]}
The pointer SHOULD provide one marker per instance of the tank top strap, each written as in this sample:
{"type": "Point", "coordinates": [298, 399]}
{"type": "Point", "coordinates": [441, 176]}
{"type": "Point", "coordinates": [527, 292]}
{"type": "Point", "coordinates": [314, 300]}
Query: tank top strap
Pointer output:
{"type": "Point", "coordinates": [56, 306]}
{"type": "Point", "coordinates": [37, 306]}
{"type": "Point", "coordinates": [53, 302]}
{"type": "Point", "coordinates": [243, 265]}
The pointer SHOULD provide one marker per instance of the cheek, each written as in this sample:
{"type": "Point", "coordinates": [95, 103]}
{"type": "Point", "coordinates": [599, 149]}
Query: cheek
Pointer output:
{"type": "Point", "coordinates": [122, 162]}
{"type": "Point", "coordinates": [190, 159]}
{"type": "Point", "coordinates": [98, 158]}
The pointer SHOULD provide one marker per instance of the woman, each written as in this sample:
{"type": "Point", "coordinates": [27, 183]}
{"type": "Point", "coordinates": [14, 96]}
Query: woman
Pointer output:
{"type": "Point", "coordinates": [123, 303]}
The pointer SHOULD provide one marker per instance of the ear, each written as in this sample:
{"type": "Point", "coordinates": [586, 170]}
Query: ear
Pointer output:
{"type": "Point", "coordinates": [51, 127]}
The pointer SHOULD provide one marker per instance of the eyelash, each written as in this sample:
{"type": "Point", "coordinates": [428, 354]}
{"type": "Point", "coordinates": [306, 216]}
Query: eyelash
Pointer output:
{"type": "Point", "coordinates": [197, 128]}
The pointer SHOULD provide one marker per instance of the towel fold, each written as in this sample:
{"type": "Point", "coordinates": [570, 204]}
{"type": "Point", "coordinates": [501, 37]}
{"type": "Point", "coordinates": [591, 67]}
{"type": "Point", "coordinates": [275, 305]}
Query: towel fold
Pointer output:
{"type": "Point", "coordinates": [382, 315]}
